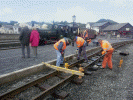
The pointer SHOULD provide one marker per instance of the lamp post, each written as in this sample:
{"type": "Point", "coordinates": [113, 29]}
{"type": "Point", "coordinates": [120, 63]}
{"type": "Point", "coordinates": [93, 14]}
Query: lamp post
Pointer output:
{"type": "Point", "coordinates": [73, 18]}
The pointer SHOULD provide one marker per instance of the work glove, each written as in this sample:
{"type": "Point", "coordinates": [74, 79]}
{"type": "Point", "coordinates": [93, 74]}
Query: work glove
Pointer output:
{"type": "Point", "coordinates": [62, 53]}
{"type": "Point", "coordinates": [89, 41]}
{"type": "Point", "coordinates": [103, 52]}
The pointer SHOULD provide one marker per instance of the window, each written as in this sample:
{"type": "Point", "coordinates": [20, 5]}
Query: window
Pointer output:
{"type": "Point", "coordinates": [127, 29]}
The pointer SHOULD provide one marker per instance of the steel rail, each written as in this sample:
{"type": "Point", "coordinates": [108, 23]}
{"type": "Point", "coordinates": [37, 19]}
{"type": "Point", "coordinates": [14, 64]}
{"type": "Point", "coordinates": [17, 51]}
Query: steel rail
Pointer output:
{"type": "Point", "coordinates": [19, 89]}
{"type": "Point", "coordinates": [12, 93]}
{"type": "Point", "coordinates": [52, 88]}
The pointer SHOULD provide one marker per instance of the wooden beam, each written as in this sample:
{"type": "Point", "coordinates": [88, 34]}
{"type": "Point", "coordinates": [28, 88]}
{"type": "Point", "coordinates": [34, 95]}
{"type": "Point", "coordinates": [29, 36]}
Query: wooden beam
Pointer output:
{"type": "Point", "coordinates": [64, 69]}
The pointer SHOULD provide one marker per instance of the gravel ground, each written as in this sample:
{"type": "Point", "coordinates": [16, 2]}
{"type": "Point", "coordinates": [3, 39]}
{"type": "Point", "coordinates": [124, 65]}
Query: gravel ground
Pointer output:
{"type": "Point", "coordinates": [10, 60]}
{"type": "Point", "coordinates": [12, 85]}
{"type": "Point", "coordinates": [105, 84]}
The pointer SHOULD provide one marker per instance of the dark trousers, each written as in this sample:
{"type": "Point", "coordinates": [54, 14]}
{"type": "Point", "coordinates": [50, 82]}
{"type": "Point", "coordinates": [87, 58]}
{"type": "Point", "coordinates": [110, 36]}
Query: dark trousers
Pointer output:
{"type": "Point", "coordinates": [23, 50]}
{"type": "Point", "coordinates": [86, 41]}
{"type": "Point", "coordinates": [84, 51]}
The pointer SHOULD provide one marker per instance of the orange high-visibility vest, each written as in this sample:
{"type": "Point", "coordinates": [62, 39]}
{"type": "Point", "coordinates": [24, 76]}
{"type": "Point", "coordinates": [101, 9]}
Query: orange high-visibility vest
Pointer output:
{"type": "Point", "coordinates": [85, 35]}
{"type": "Point", "coordinates": [57, 43]}
{"type": "Point", "coordinates": [105, 46]}
{"type": "Point", "coordinates": [80, 41]}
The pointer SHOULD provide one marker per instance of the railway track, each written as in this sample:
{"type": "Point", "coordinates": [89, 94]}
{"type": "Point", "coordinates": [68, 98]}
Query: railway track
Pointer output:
{"type": "Point", "coordinates": [9, 44]}
{"type": "Point", "coordinates": [14, 44]}
{"type": "Point", "coordinates": [59, 78]}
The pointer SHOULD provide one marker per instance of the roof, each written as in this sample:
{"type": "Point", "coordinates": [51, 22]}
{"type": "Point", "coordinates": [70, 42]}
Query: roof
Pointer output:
{"type": "Point", "coordinates": [7, 26]}
{"type": "Point", "coordinates": [99, 24]}
{"type": "Point", "coordinates": [91, 23]}
{"type": "Point", "coordinates": [16, 26]}
{"type": "Point", "coordinates": [114, 27]}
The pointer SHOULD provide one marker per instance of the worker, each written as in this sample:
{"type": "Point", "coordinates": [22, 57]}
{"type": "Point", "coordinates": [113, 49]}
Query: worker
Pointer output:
{"type": "Point", "coordinates": [85, 36]}
{"type": "Point", "coordinates": [60, 47]}
{"type": "Point", "coordinates": [89, 41]}
{"type": "Point", "coordinates": [81, 44]}
{"type": "Point", "coordinates": [107, 50]}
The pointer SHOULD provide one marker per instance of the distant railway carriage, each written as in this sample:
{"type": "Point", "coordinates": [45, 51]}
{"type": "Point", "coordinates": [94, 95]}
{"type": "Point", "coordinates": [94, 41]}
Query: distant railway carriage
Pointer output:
{"type": "Point", "coordinates": [91, 33]}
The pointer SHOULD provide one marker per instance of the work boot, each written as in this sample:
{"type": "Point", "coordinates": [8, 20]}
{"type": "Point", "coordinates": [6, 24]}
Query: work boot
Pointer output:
{"type": "Point", "coordinates": [62, 64]}
{"type": "Point", "coordinates": [101, 67]}
{"type": "Point", "coordinates": [78, 58]}
{"type": "Point", "coordinates": [28, 57]}
{"type": "Point", "coordinates": [110, 68]}
{"type": "Point", "coordinates": [23, 56]}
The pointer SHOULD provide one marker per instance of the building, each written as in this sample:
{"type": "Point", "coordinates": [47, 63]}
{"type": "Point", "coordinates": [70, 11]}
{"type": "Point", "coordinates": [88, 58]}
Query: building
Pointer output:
{"type": "Point", "coordinates": [9, 29]}
{"type": "Point", "coordinates": [44, 26]}
{"type": "Point", "coordinates": [16, 29]}
{"type": "Point", "coordinates": [100, 26]}
{"type": "Point", "coordinates": [119, 29]}
{"type": "Point", "coordinates": [37, 25]}
{"type": "Point", "coordinates": [6, 29]}
{"type": "Point", "coordinates": [25, 24]}
{"type": "Point", "coordinates": [89, 24]}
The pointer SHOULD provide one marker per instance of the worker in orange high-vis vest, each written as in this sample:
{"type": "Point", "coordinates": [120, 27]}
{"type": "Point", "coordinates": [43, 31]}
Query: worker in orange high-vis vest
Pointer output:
{"type": "Point", "coordinates": [81, 44]}
{"type": "Point", "coordinates": [107, 50]}
{"type": "Point", "coordinates": [60, 47]}
{"type": "Point", "coordinates": [85, 36]}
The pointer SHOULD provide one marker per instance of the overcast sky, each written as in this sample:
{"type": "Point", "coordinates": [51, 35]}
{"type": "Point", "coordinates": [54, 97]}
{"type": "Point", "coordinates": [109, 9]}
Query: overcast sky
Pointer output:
{"type": "Point", "coordinates": [85, 11]}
